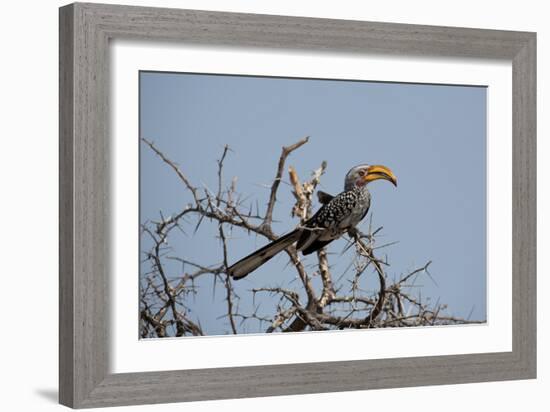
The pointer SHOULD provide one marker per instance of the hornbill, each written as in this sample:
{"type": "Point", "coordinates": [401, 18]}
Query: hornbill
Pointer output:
{"type": "Point", "coordinates": [338, 214]}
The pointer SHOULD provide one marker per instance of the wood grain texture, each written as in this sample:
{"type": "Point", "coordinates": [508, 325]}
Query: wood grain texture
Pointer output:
{"type": "Point", "coordinates": [524, 225]}
{"type": "Point", "coordinates": [85, 31]}
{"type": "Point", "coordinates": [66, 228]}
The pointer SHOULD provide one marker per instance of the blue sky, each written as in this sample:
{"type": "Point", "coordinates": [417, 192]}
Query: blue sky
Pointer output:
{"type": "Point", "coordinates": [432, 136]}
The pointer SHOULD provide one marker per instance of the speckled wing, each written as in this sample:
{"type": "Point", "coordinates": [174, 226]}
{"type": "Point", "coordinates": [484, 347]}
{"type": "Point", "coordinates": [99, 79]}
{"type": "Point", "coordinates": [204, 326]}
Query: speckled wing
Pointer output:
{"type": "Point", "coordinates": [333, 219]}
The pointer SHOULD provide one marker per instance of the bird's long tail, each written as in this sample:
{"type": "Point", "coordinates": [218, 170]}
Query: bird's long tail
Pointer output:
{"type": "Point", "coordinates": [256, 259]}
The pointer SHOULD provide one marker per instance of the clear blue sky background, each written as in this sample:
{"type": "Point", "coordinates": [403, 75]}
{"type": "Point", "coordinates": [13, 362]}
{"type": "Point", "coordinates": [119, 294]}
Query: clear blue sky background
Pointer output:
{"type": "Point", "coordinates": [432, 136]}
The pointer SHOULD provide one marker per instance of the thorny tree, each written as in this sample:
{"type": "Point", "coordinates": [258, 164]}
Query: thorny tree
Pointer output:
{"type": "Point", "coordinates": [319, 300]}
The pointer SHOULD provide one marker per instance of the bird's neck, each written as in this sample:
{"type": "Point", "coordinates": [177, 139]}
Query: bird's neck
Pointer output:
{"type": "Point", "coordinates": [358, 189]}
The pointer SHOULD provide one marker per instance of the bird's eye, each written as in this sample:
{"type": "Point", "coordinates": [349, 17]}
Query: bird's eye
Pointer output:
{"type": "Point", "coordinates": [361, 173]}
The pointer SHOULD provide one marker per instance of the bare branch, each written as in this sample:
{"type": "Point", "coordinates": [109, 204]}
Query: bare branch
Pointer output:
{"type": "Point", "coordinates": [287, 150]}
{"type": "Point", "coordinates": [176, 169]}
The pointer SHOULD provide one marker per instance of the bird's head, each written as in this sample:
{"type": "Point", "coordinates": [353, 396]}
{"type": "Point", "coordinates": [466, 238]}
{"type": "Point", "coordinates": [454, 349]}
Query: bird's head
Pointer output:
{"type": "Point", "coordinates": [360, 175]}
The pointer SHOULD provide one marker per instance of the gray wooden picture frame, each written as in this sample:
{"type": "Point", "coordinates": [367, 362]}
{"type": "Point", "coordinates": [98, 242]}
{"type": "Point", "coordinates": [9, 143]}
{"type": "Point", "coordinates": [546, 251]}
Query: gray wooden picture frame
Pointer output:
{"type": "Point", "coordinates": [85, 31]}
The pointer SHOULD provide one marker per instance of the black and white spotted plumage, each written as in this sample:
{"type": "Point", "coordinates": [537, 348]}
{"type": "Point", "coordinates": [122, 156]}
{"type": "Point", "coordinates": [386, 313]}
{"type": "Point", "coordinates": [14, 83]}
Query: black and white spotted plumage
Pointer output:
{"type": "Point", "coordinates": [331, 221]}
{"type": "Point", "coordinates": [337, 215]}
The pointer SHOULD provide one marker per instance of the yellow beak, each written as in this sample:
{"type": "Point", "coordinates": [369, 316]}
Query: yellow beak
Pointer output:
{"type": "Point", "coordinates": [376, 172]}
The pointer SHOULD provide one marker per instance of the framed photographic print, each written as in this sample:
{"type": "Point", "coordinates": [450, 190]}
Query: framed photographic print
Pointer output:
{"type": "Point", "coordinates": [256, 205]}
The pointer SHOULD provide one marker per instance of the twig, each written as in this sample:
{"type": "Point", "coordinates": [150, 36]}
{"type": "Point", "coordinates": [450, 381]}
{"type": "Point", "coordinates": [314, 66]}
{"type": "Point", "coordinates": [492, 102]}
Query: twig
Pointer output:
{"type": "Point", "coordinates": [277, 181]}
{"type": "Point", "coordinates": [176, 169]}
